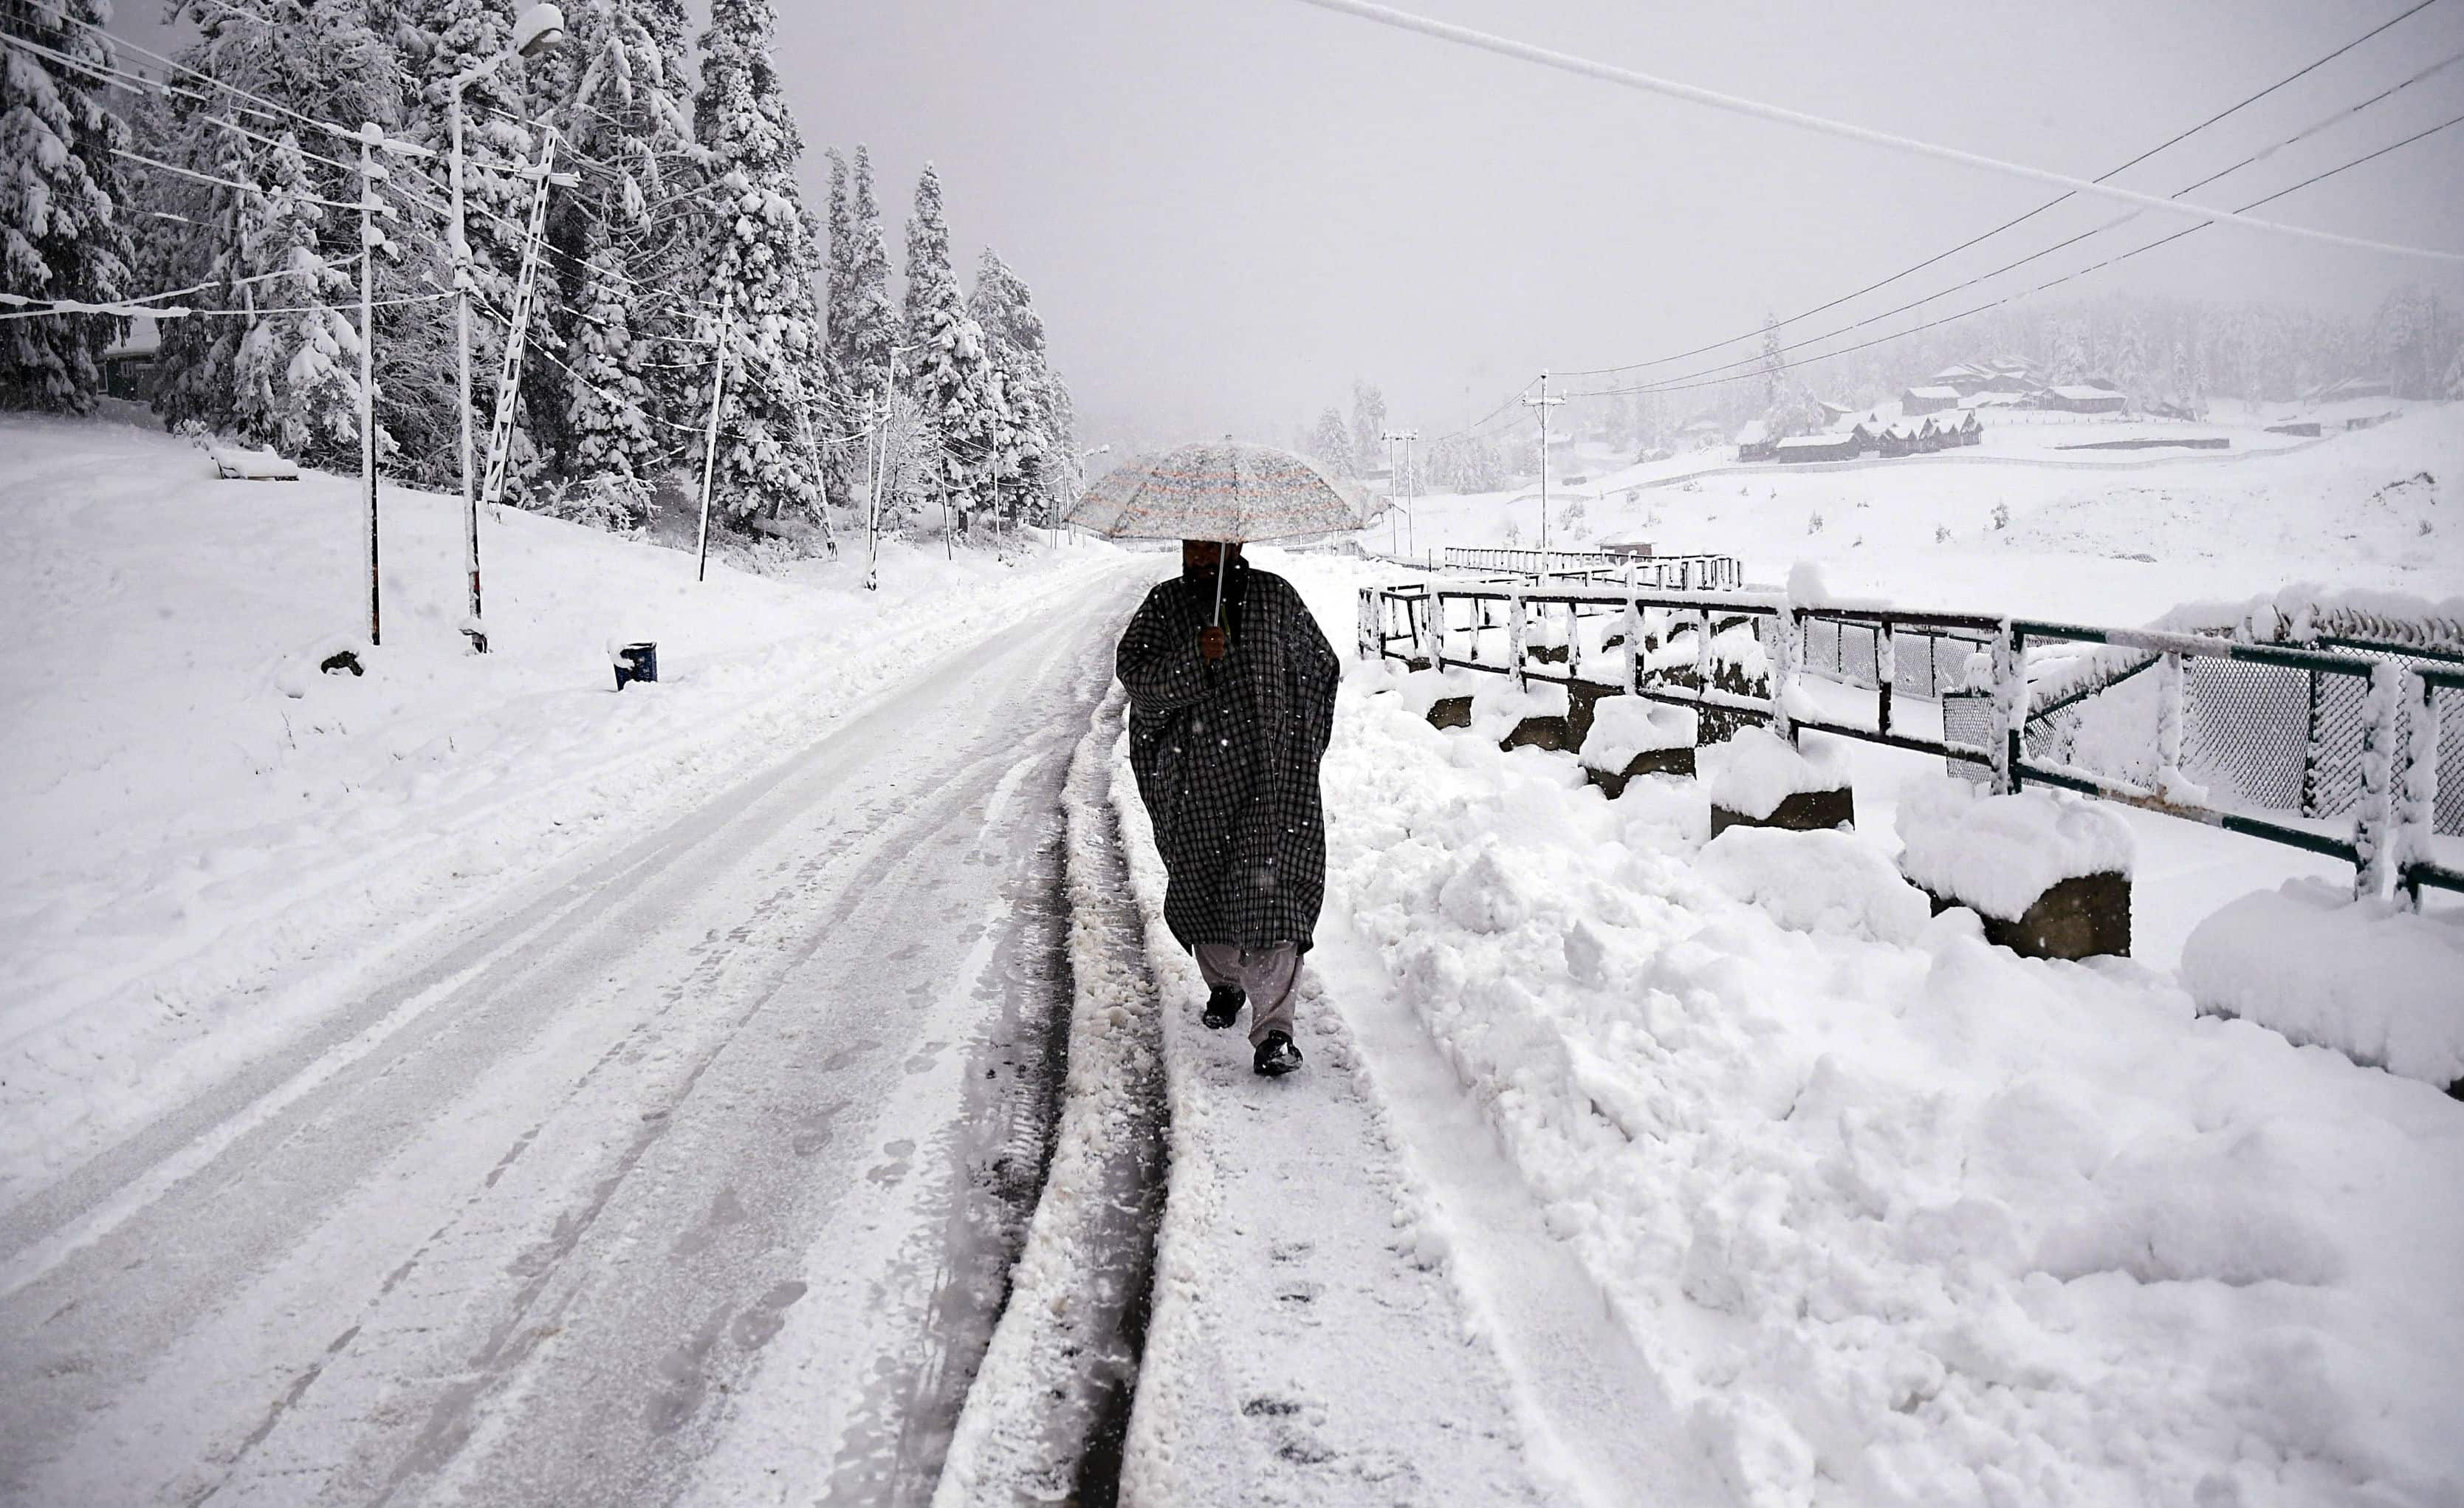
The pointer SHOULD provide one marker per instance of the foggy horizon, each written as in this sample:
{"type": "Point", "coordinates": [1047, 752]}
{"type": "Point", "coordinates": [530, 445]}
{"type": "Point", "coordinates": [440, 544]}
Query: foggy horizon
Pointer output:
{"type": "Point", "coordinates": [1229, 213]}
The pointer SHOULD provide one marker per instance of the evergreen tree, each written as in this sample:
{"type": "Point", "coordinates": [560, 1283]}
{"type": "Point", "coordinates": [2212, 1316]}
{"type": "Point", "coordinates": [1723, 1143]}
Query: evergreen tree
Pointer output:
{"type": "Point", "coordinates": [629, 234]}
{"type": "Point", "coordinates": [951, 374]}
{"type": "Point", "coordinates": [616, 450]}
{"type": "Point", "coordinates": [296, 369]}
{"type": "Point", "coordinates": [843, 468]}
{"type": "Point", "coordinates": [1330, 444]}
{"type": "Point", "coordinates": [762, 266]}
{"type": "Point", "coordinates": [61, 235]}
{"type": "Point", "coordinates": [1368, 423]}
{"type": "Point", "coordinates": [1771, 367]}
{"type": "Point", "coordinates": [445, 39]}
{"type": "Point", "coordinates": [1037, 435]}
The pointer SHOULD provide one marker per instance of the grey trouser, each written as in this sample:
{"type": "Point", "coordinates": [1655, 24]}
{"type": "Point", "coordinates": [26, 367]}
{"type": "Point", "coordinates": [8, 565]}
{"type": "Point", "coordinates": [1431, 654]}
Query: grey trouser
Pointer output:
{"type": "Point", "coordinates": [1265, 971]}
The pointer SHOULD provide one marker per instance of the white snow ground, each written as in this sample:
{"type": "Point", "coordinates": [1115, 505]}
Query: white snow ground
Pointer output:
{"type": "Point", "coordinates": [606, 1118]}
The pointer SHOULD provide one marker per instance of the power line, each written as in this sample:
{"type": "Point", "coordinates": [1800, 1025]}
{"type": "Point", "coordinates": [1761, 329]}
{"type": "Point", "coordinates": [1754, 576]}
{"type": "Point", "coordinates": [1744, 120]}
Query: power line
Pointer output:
{"type": "Point", "coordinates": [1650, 83]}
{"type": "Point", "coordinates": [1677, 386]}
{"type": "Point", "coordinates": [2099, 230]}
{"type": "Point", "coordinates": [2174, 141]}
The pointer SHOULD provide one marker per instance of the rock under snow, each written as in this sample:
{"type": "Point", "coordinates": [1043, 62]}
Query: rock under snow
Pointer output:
{"type": "Point", "coordinates": [1625, 726]}
{"type": "Point", "coordinates": [1996, 854]}
{"type": "Point", "coordinates": [1823, 883]}
{"type": "Point", "coordinates": [2375, 981]}
{"type": "Point", "coordinates": [1756, 770]}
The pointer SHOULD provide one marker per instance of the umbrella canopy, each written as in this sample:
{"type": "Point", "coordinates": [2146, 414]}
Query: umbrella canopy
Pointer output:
{"type": "Point", "coordinates": [1218, 489]}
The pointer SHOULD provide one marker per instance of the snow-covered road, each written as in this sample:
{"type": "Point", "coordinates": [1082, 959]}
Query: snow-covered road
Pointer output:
{"type": "Point", "coordinates": [691, 1172]}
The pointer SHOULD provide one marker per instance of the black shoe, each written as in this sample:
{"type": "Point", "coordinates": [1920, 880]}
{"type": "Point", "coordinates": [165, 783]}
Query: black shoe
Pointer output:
{"type": "Point", "coordinates": [1224, 1004]}
{"type": "Point", "coordinates": [1277, 1056]}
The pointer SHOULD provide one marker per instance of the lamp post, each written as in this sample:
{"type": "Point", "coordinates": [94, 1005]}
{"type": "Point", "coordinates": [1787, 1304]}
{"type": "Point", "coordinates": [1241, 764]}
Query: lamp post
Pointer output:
{"type": "Point", "coordinates": [539, 28]}
{"type": "Point", "coordinates": [1083, 456]}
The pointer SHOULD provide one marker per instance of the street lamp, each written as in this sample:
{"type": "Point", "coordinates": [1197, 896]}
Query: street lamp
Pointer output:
{"type": "Point", "coordinates": [1083, 456]}
{"type": "Point", "coordinates": [539, 28]}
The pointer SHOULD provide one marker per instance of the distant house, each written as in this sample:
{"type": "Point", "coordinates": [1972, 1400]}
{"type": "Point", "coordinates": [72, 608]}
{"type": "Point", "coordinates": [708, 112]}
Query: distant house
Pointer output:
{"type": "Point", "coordinates": [1927, 400]}
{"type": "Point", "coordinates": [1964, 429]}
{"type": "Point", "coordinates": [1754, 441]}
{"type": "Point", "coordinates": [1637, 549]}
{"type": "Point", "coordinates": [1991, 398]}
{"type": "Point", "coordinates": [1798, 448]}
{"type": "Point", "coordinates": [2361, 388]}
{"type": "Point", "coordinates": [1899, 438]}
{"type": "Point", "coordinates": [2079, 398]}
{"type": "Point", "coordinates": [129, 369]}
{"type": "Point", "coordinates": [1835, 414]}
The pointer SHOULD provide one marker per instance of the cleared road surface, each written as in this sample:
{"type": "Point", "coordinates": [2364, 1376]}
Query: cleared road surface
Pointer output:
{"type": "Point", "coordinates": [694, 1175]}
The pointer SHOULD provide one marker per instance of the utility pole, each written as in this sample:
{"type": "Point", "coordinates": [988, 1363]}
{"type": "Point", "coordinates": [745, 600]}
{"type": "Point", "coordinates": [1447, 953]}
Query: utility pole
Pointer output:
{"type": "Point", "coordinates": [710, 440]}
{"type": "Point", "coordinates": [1403, 472]}
{"type": "Point", "coordinates": [371, 135]}
{"type": "Point", "coordinates": [1543, 403]}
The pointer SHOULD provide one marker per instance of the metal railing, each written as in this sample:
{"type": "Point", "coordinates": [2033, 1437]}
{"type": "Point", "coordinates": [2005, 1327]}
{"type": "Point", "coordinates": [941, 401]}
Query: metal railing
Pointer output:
{"type": "Point", "coordinates": [1434, 625]}
{"type": "Point", "coordinates": [1697, 572]}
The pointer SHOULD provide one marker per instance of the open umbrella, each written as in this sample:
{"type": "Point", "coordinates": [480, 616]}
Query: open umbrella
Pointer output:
{"type": "Point", "coordinates": [1221, 490]}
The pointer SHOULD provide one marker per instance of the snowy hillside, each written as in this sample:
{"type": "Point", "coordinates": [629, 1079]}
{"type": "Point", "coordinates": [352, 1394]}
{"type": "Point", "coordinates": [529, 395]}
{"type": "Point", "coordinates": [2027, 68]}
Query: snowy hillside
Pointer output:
{"type": "Point", "coordinates": [2129, 533]}
{"type": "Point", "coordinates": [195, 806]}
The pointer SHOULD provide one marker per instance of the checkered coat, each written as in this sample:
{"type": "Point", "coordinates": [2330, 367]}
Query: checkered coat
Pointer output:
{"type": "Point", "coordinates": [1226, 756]}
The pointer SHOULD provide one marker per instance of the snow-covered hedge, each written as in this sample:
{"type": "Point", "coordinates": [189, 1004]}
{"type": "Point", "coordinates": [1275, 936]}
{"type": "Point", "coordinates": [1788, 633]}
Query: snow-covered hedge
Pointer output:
{"type": "Point", "coordinates": [1625, 726]}
{"type": "Point", "coordinates": [1996, 854]}
{"type": "Point", "coordinates": [1756, 770]}
{"type": "Point", "coordinates": [2373, 980]}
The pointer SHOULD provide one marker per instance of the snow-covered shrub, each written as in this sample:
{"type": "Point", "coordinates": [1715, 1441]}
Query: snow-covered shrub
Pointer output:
{"type": "Point", "coordinates": [1997, 854]}
{"type": "Point", "coordinates": [2001, 516]}
{"type": "Point", "coordinates": [2371, 979]}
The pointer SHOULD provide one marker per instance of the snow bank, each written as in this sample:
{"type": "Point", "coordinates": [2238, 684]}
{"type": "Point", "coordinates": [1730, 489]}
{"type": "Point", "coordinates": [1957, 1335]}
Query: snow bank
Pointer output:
{"type": "Point", "coordinates": [1756, 770]}
{"type": "Point", "coordinates": [2373, 980]}
{"type": "Point", "coordinates": [1625, 726]}
{"type": "Point", "coordinates": [1829, 882]}
{"type": "Point", "coordinates": [1914, 1222]}
{"type": "Point", "coordinates": [210, 843]}
{"type": "Point", "coordinates": [1996, 854]}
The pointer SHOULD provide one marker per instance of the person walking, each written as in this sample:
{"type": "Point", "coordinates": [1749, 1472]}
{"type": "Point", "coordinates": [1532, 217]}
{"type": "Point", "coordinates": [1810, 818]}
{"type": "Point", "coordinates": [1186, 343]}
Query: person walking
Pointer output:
{"type": "Point", "coordinates": [1231, 687]}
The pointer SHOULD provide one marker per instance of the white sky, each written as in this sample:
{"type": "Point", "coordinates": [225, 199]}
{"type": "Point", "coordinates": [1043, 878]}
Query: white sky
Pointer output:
{"type": "Point", "coordinates": [1228, 208]}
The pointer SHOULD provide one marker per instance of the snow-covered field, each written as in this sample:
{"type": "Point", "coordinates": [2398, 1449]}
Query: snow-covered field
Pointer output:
{"type": "Point", "coordinates": [2121, 537]}
{"type": "Point", "coordinates": [1895, 1216]}
{"type": "Point", "coordinates": [204, 833]}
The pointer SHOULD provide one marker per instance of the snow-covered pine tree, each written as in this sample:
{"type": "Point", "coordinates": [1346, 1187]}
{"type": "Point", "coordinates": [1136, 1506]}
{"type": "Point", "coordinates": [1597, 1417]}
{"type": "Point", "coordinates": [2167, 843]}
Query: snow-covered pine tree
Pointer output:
{"type": "Point", "coordinates": [1038, 402]}
{"type": "Point", "coordinates": [629, 235]}
{"type": "Point", "coordinates": [616, 450]}
{"type": "Point", "coordinates": [296, 384]}
{"type": "Point", "coordinates": [1330, 444]}
{"type": "Point", "coordinates": [61, 235]}
{"type": "Point", "coordinates": [1369, 446]}
{"type": "Point", "coordinates": [1770, 367]}
{"type": "Point", "coordinates": [948, 368]}
{"type": "Point", "coordinates": [843, 468]}
{"type": "Point", "coordinates": [872, 320]}
{"type": "Point", "coordinates": [762, 267]}
{"type": "Point", "coordinates": [442, 40]}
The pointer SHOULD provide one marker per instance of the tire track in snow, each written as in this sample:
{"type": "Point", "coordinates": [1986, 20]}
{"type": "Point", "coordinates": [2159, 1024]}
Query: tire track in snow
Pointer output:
{"type": "Point", "coordinates": [1048, 1412]}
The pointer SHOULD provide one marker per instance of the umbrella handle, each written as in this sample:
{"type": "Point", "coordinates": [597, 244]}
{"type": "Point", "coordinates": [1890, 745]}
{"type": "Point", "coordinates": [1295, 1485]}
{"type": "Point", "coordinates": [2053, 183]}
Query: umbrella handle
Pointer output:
{"type": "Point", "coordinates": [1223, 564]}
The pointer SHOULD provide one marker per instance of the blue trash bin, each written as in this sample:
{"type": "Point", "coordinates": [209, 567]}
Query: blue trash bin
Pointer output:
{"type": "Point", "coordinates": [637, 662]}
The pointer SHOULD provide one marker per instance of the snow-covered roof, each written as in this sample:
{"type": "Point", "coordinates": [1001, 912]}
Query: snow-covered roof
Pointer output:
{"type": "Point", "coordinates": [2078, 392]}
{"type": "Point", "coordinates": [1808, 442]}
{"type": "Point", "coordinates": [1991, 400]}
{"type": "Point", "coordinates": [1755, 432]}
{"type": "Point", "coordinates": [1942, 394]}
